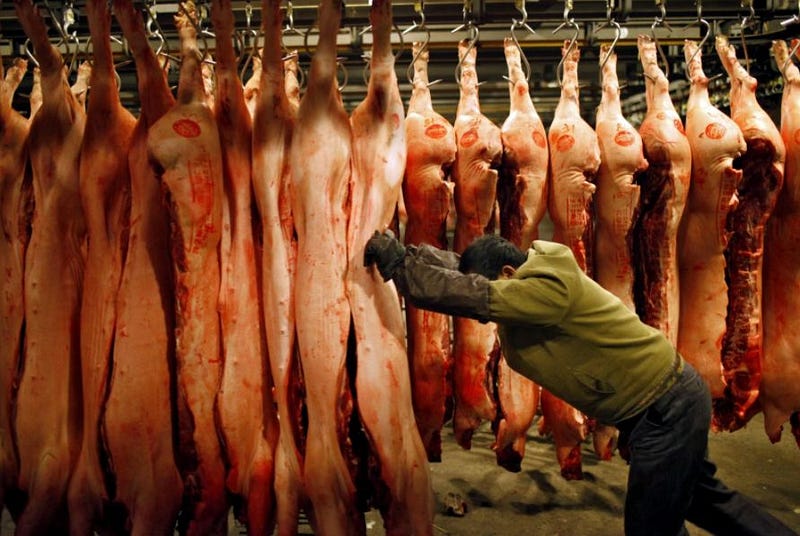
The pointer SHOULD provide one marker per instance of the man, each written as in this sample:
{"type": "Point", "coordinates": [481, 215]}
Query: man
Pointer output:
{"type": "Point", "coordinates": [562, 330]}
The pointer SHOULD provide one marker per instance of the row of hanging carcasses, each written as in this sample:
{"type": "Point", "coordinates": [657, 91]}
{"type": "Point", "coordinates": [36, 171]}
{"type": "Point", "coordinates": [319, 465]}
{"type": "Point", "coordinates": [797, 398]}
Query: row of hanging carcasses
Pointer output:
{"type": "Point", "coordinates": [690, 227]}
{"type": "Point", "coordinates": [153, 343]}
{"type": "Point", "coordinates": [353, 454]}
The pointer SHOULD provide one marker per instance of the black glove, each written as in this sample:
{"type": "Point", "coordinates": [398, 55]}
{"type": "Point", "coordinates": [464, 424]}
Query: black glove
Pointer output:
{"type": "Point", "coordinates": [386, 252]}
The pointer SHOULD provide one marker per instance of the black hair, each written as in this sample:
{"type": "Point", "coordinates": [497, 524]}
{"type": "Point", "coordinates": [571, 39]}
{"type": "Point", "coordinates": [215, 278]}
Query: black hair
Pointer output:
{"type": "Point", "coordinates": [488, 254]}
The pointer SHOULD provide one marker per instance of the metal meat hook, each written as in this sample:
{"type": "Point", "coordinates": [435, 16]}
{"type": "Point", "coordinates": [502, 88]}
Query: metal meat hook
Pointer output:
{"type": "Point", "coordinates": [242, 37]}
{"type": "Point", "coordinates": [419, 8]}
{"type": "Point", "coordinates": [400, 33]}
{"type": "Point", "coordinates": [747, 22]}
{"type": "Point", "coordinates": [473, 40]}
{"type": "Point", "coordinates": [573, 42]}
{"type": "Point", "coordinates": [704, 23]}
{"type": "Point", "coordinates": [789, 57]}
{"type": "Point", "coordinates": [152, 20]}
{"type": "Point", "coordinates": [515, 25]}
{"type": "Point", "coordinates": [660, 21]}
{"type": "Point", "coordinates": [617, 36]}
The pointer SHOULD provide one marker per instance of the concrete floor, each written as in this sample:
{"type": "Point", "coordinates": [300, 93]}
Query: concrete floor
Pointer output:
{"type": "Point", "coordinates": [538, 501]}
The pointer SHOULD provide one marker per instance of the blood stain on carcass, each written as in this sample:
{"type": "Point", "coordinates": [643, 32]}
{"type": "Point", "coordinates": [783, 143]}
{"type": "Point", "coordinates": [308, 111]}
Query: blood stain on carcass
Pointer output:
{"type": "Point", "coordinates": [186, 128]}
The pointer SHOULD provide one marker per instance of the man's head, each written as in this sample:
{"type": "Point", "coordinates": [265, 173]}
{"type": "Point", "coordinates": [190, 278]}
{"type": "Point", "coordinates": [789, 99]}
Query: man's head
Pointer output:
{"type": "Point", "coordinates": [491, 256]}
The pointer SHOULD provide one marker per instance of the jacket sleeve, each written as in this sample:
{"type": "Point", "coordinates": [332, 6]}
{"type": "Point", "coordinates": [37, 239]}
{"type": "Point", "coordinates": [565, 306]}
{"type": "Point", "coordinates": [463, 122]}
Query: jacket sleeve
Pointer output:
{"type": "Point", "coordinates": [429, 279]}
{"type": "Point", "coordinates": [435, 256]}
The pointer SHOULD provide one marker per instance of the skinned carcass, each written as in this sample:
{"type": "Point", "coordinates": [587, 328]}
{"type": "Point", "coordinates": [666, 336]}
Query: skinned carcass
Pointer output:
{"type": "Point", "coordinates": [522, 196]}
{"type": "Point", "coordinates": [431, 151]}
{"type": "Point", "coordinates": [475, 346]}
{"type": "Point", "coordinates": [574, 161]}
{"type": "Point", "coordinates": [48, 436]}
{"type": "Point", "coordinates": [622, 163]}
{"type": "Point", "coordinates": [245, 408]}
{"type": "Point", "coordinates": [105, 194]}
{"type": "Point", "coordinates": [16, 206]}
{"type": "Point", "coordinates": [662, 198]}
{"type": "Point", "coordinates": [715, 141]}
{"type": "Point", "coordinates": [762, 177]}
{"type": "Point", "coordinates": [402, 478]}
{"type": "Point", "coordinates": [185, 149]}
{"type": "Point", "coordinates": [320, 175]}
{"type": "Point", "coordinates": [274, 118]}
{"type": "Point", "coordinates": [146, 478]}
{"type": "Point", "coordinates": [779, 393]}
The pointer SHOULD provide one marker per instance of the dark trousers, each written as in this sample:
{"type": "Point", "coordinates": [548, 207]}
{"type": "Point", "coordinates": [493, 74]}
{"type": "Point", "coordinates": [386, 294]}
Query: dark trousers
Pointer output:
{"type": "Point", "coordinates": [671, 479]}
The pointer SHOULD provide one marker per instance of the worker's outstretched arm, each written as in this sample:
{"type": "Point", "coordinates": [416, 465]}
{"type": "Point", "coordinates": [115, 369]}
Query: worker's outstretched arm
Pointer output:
{"type": "Point", "coordinates": [428, 277]}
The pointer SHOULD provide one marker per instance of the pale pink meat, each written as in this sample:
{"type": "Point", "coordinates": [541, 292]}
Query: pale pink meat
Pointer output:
{"type": "Point", "coordinates": [245, 406]}
{"type": "Point", "coordinates": [715, 140]}
{"type": "Point", "coordinates": [15, 214]}
{"type": "Point", "coordinates": [762, 177]}
{"type": "Point", "coordinates": [272, 133]}
{"type": "Point", "coordinates": [147, 481]}
{"type": "Point", "coordinates": [779, 393]}
{"type": "Point", "coordinates": [105, 193]}
{"type": "Point", "coordinates": [320, 176]}
{"type": "Point", "coordinates": [522, 196]}
{"type": "Point", "coordinates": [48, 436]}
{"type": "Point", "coordinates": [185, 149]}
{"type": "Point", "coordinates": [378, 161]}
{"type": "Point", "coordinates": [621, 164]}
{"type": "Point", "coordinates": [478, 154]}
{"type": "Point", "coordinates": [431, 151]}
{"type": "Point", "coordinates": [574, 161]}
{"type": "Point", "coordinates": [81, 86]}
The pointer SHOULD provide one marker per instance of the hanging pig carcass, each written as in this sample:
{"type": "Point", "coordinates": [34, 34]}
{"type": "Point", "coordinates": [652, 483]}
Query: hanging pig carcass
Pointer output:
{"type": "Point", "coordinates": [715, 141]}
{"type": "Point", "coordinates": [522, 198]}
{"type": "Point", "coordinates": [427, 193]}
{"type": "Point", "coordinates": [574, 161]}
{"type": "Point", "coordinates": [762, 177]}
{"type": "Point", "coordinates": [185, 149]}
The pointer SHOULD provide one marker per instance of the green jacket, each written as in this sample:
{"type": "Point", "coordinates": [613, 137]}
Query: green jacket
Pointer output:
{"type": "Point", "coordinates": [557, 327]}
{"type": "Point", "coordinates": [563, 330]}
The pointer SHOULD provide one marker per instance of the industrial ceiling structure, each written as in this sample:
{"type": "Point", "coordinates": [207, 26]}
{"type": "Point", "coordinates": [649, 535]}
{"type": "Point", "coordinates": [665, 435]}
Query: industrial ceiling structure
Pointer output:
{"type": "Point", "coordinates": [539, 26]}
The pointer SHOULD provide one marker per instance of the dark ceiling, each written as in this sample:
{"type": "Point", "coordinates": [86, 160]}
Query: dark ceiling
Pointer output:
{"type": "Point", "coordinates": [768, 20]}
